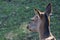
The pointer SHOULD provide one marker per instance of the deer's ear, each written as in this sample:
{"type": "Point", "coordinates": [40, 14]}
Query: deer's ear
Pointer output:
{"type": "Point", "coordinates": [48, 9]}
{"type": "Point", "coordinates": [37, 12]}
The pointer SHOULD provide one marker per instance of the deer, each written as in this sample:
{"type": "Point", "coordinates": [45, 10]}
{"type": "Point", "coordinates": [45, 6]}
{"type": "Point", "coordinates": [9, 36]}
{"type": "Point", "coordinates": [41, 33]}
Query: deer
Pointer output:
{"type": "Point", "coordinates": [41, 23]}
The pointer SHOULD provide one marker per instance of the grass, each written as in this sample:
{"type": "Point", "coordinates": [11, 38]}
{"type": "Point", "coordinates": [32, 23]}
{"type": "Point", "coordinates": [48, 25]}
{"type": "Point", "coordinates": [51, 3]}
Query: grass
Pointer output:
{"type": "Point", "coordinates": [15, 15]}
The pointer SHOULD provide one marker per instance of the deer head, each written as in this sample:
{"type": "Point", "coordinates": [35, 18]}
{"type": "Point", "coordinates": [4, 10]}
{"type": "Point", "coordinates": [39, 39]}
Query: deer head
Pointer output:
{"type": "Point", "coordinates": [40, 19]}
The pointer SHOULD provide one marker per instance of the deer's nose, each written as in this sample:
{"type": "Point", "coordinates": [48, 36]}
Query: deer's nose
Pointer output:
{"type": "Point", "coordinates": [27, 27]}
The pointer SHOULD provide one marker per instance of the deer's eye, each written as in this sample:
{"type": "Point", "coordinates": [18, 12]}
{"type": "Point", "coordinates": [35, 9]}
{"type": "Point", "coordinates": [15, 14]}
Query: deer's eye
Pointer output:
{"type": "Point", "coordinates": [32, 20]}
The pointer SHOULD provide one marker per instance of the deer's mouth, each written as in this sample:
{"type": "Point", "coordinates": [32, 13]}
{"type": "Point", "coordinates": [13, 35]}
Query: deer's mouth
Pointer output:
{"type": "Point", "coordinates": [29, 28]}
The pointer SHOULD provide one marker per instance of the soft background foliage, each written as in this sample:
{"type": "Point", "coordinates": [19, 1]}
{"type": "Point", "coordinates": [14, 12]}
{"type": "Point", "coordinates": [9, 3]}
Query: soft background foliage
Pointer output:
{"type": "Point", "coordinates": [15, 15]}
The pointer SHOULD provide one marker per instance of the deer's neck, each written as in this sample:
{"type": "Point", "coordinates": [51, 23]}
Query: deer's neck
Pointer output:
{"type": "Point", "coordinates": [44, 28]}
{"type": "Point", "coordinates": [44, 33]}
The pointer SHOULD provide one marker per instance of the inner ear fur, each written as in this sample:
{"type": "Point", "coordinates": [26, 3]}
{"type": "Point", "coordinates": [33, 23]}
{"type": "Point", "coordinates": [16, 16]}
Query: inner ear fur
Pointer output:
{"type": "Point", "coordinates": [48, 9]}
{"type": "Point", "coordinates": [38, 12]}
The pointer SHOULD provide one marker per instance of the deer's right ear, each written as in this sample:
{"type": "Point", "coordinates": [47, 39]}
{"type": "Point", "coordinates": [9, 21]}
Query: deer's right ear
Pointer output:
{"type": "Point", "coordinates": [37, 12]}
{"type": "Point", "coordinates": [48, 9]}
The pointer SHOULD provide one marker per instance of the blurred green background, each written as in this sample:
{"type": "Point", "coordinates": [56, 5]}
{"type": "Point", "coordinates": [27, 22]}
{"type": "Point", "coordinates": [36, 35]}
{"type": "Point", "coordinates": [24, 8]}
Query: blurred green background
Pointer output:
{"type": "Point", "coordinates": [15, 15]}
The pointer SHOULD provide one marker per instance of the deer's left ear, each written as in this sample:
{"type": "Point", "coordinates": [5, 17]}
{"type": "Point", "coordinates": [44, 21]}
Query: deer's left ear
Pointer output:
{"type": "Point", "coordinates": [37, 12]}
{"type": "Point", "coordinates": [48, 9]}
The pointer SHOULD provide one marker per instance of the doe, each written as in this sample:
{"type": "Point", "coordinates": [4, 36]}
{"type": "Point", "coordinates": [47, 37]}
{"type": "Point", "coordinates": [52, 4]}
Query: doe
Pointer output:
{"type": "Point", "coordinates": [41, 23]}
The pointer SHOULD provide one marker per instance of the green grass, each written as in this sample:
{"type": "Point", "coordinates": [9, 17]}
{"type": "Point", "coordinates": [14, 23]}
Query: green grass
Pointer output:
{"type": "Point", "coordinates": [15, 15]}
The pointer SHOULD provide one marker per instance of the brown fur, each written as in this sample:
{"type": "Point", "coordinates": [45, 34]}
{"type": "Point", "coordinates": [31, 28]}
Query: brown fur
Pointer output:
{"type": "Point", "coordinates": [41, 23]}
